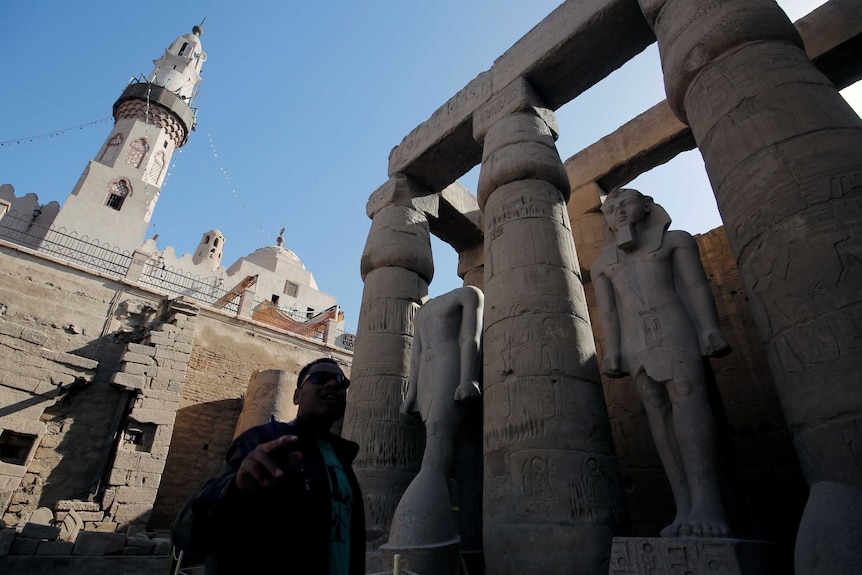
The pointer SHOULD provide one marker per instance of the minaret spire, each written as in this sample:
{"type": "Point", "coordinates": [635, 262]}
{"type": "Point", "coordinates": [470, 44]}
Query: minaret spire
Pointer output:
{"type": "Point", "coordinates": [114, 199]}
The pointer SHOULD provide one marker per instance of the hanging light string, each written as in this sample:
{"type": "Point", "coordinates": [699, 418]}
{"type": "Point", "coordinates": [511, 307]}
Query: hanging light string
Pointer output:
{"type": "Point", "coordinates": [29, 139]}
{"type": "Point", "coordinates": [172, 166]}
{"type": "Point", "coordinates": [147, 152]}
{"type": "Point", "coordinates": [230, 183]}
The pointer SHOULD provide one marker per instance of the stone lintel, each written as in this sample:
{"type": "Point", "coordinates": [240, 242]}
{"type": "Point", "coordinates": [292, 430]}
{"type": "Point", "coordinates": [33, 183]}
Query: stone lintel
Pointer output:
{"type": "Point", "coordinates": [401, 190]}
{"type": "Point", "coordinates": [832, 35]}
{"type": "Point", "coordinates": [650, 139]}
{"type": "Point", "coordinates": [557, 57]}
{"type": "Point", "coordinates": [459, 221]}
{"type": "Point", "coordinates": [183, 305]}
{"type": "Point", "coordinates": [442, 149]}
{"type": "Point", "coordinates": [833, 38]}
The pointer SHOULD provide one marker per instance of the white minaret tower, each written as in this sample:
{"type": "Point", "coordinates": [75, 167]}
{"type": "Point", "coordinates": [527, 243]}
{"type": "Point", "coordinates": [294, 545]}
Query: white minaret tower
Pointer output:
{"type": "Point", "coordinates": [114, 198]}
{"type": "Point", "coordinates": [210, 249]}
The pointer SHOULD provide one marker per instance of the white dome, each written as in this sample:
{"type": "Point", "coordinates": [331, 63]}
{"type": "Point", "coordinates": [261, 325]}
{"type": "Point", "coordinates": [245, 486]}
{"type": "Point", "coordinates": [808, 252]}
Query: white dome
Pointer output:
{"type": "Point", "coordinates": [269, 257]}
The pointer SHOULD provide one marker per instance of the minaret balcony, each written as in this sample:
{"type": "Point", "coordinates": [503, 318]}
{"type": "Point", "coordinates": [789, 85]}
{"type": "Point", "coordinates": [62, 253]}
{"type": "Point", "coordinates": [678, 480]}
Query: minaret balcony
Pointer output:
{"type": "Point", "coordinates": [158, 96]}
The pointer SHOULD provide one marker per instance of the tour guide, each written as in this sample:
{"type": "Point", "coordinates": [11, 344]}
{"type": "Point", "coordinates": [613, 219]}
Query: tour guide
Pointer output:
{"type": "Point", "coordinates": [286, 499]}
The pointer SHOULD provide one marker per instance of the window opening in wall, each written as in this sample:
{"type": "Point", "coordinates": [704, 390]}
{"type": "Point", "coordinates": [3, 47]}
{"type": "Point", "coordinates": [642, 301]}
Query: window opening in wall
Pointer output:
{"type": "Point", "coordinates": [274, 299]}
{"type": "Point", "coordinates": [137, 150]}
{"type": "Point", "coordinates": [309, 313]}
{"type": "Point", "coordinates": [157, 166]}
{"type": "Point", "coordinates": [112, 148]}
{"type": "Point", "coordinates": [183, 49]}
{"type": "Point", "coordinates": [117, 194]}
{"type": "Point", "coordinates": [15, 447]}
{"type": "Point", "coordinates": [215, 242]}
{"type": "Point", "coordinates": [138, 436]}
{"type": "Point", "coordinates": [135, 437]}
{"type": "Point", "coordinates": [291, 288]}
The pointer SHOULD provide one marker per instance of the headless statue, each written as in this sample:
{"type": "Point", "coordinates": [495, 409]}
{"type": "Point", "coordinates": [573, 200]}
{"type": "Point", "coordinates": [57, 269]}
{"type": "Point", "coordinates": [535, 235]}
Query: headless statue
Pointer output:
{"type": "Point", "coordinates": [659, 321]}
{"type": "Point", "coordinates": [444, 369]}
{"type": "Point", "coordinates": [444, 373]}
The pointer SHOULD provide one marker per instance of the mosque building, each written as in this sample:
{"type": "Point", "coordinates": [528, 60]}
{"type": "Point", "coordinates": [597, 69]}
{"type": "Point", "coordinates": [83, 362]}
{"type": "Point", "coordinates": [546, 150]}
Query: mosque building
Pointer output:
{"type": "Point", "coordinates": [115, 197]}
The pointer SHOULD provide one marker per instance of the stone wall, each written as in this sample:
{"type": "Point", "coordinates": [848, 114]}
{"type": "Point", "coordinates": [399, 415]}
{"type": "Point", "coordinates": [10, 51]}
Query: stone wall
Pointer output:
{"type": "Point", "coordinates": [225, 354]}
{"type": "Point", "coordinates": [116, 404]}
{"type": "Point", "coordinates": [53, 314]}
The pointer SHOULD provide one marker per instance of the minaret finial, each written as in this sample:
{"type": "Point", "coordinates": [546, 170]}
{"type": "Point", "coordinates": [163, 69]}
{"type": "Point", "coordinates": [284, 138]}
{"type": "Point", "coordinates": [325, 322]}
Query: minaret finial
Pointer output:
{"type": "Point", "coordinates": [280, 240]}
{"type": "Point", "coordinates": [199, 29]}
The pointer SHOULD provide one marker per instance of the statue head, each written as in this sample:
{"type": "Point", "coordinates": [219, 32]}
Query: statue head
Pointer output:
{"type": "Point", "coordinates": [625, 206]}
{"type": "Point", "coordinates": [632, 217]}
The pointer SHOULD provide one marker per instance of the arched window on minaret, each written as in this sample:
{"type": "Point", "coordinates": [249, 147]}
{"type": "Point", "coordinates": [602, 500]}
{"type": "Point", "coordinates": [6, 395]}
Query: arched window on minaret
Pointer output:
{"type": "Point", "coordinates": [183, 49]}
{"type": "Point", "coordinates": [117, 192]}
{"type": "Point", "coordinates": [137, 151]}
{"type": "Point", "coordinates": [112, 148]}
{"type": "Point", "coordinates": [157, 166]}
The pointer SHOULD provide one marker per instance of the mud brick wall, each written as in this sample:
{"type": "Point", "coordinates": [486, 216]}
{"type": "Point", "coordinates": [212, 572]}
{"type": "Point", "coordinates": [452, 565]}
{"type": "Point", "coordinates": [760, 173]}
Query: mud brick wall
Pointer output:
{"type": "Point", "coordinates": [224, 356]}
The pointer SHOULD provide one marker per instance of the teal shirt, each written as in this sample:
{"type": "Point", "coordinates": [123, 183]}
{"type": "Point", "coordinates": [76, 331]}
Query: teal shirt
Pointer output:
{"type": "Point", "coordinates": [342, 503]}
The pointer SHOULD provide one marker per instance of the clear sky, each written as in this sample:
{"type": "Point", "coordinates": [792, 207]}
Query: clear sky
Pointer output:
{"type": "Point", "coordinates": [300, 105]}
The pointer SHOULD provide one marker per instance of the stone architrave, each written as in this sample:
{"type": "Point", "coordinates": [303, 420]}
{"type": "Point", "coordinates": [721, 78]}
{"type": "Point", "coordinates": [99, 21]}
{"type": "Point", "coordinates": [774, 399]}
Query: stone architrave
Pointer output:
{"type": "Point", "coordinates": [783, 151]}
{"type": "Point", "coordinates": [551, 489]}
{"type": "Point", "coordinates": [396, 267]}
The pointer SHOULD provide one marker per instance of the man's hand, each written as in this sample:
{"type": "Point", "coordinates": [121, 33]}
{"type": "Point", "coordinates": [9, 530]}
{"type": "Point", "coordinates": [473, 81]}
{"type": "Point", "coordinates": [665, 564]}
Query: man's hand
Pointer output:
{"type": "Point", "coordinates": [260, 468]}
{"type": "Point", "coordinates": [611, 365]}
{"type": "Point", "coordinates": [713, 344]}
{"type": "Point", "coordinates": [467, 390]}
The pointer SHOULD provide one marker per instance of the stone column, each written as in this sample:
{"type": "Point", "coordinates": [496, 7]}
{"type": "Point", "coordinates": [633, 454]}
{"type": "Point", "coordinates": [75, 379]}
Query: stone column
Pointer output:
{"type": "Point", "coordinates": [396, 267]}
{"type": "Point", "coordinates": [269, 394]}
{"type": "Point", "coordinates": [783, 152]}
{"type": "Point", "coordinates": [246, 303]}
{"type": "Point", "coordinates": [471, 266]}
{"type": "Point", "coordinates": [551, 489]}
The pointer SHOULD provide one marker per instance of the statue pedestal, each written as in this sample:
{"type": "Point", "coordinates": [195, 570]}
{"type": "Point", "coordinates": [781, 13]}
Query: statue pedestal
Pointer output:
{"type": "Point", "coordinates": [439, 559]}
{"type": "Point", "coordinates": [688, 556]}
{"type": "Point", "coordinates": [423, 529]}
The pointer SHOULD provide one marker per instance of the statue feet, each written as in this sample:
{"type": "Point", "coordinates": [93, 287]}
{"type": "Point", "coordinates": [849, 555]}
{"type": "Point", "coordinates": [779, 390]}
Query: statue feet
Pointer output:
{"type": "Point", "coordinates": [672, 530]}
{"type": "Point", "coordinates": [698, 525]}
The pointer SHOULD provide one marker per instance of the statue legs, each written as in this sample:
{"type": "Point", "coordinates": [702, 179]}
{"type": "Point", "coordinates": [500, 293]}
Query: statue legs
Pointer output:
{"type": "Point", "coordinates": [684, 431]}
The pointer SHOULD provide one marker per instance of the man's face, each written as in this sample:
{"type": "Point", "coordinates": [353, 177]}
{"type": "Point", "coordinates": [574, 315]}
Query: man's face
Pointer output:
{"type": "Point", "coordinates": [320, 397]}
{"type": "Point", "coordinates": [628, 208]}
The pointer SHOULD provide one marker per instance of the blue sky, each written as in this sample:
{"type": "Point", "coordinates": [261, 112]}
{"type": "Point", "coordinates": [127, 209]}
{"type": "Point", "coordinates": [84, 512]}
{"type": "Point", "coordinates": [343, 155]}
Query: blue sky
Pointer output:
{"type": "Point", "coordinates": [298, 110]}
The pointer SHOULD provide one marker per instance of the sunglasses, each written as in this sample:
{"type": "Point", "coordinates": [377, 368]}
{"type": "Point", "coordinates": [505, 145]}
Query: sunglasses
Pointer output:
{"type": "Point", "coordinates": [321, 377]}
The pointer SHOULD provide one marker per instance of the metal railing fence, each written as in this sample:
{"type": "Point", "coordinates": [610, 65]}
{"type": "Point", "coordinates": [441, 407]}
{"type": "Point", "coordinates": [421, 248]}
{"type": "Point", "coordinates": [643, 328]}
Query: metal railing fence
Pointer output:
{"type": "Point", "coordinates": [65, 245]}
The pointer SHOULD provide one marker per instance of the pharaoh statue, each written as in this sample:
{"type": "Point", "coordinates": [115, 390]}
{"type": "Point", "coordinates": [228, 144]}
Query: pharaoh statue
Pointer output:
{"type": "Point", "coordinates": [444, 374]}
{"type": "Point", "coordinates": [659, 320]}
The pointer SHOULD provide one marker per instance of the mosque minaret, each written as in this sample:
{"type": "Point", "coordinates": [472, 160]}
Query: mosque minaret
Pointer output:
{"type": "Point", "coordinates": [115, 196]}
{"type": "Point", "coordinates": [113, 202]}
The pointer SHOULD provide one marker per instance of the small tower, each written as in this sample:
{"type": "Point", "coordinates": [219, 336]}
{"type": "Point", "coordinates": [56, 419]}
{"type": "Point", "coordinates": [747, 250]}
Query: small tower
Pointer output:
{"type": "Point", "coordinates": [210, 249]}
{"type": "Point", "coordinates": [114, 198]}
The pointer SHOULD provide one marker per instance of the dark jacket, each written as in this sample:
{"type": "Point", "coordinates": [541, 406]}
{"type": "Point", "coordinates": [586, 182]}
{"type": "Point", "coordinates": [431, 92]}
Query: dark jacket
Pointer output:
{"type": "Point", "coordinates": [284, 528]}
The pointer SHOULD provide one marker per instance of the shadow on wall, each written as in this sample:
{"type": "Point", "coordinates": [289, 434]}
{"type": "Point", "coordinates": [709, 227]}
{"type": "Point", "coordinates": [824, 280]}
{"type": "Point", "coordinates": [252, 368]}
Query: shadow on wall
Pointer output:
{"type": "Point", "coordinates": [202, 434]}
